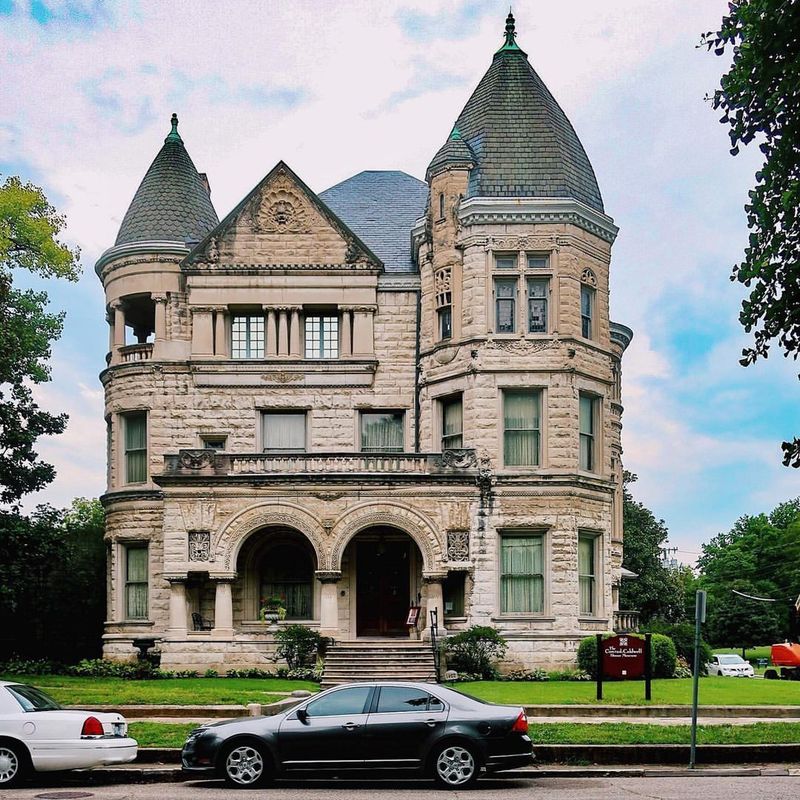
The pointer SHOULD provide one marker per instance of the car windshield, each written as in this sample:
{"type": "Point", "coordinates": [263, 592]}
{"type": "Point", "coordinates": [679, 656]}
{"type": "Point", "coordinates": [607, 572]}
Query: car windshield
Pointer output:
{"type": "Point", "coordinates": [731, 660]}
{"type": "Point", "coordinates": [32, 699]}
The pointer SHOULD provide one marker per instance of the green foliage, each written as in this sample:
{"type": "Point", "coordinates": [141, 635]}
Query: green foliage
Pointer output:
{"type": "Point", "coordinates": [682, 635]}
{"type": "Point", "coordinates": [759, 97]}
{"type": "Point", "coordinates": [299, 646]}
{"type": "Point", "coordinates": [28, 230]}
{"type": "Point", "coordinates": [657, 591]}
{"type": "Point", "coordinates": [476, 650]}
{"type": "Point", "coordinates": [663, 657]}
{"type": "Point", "coordinates": [253, 673]}
{"type": "Point", "coordinates": [525, 675]}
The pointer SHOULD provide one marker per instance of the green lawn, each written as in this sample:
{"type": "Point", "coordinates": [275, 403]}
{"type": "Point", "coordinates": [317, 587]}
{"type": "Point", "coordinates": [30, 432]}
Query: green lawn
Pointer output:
{"type": "Point", "coordinates": [678, 691]}
{"type": "Point", "coordinates": [70, 690]}
{"type": "Point", "coordinates": [160, 734]}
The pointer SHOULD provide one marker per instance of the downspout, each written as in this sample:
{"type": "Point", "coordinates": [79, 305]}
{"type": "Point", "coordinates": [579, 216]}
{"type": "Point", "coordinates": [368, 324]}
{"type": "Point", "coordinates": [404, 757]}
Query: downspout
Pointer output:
{"type": "Point", "coordinates": [418, 371]}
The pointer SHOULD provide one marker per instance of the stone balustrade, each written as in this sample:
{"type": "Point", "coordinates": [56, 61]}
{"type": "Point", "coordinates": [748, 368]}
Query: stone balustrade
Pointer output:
{"type": "Point", "coordinates": [626, 621]}
{"type": "Point", "coordinates": [135, 352]}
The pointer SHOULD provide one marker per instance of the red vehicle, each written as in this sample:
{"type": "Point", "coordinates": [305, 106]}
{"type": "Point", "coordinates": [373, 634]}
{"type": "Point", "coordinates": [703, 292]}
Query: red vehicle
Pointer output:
{"type": "Point", "coordinates": [786, 656]}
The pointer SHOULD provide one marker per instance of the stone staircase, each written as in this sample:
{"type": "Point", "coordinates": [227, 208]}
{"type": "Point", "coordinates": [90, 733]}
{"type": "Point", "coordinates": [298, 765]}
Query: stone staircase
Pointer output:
{"type": "Point", "coordinates": [387, 660]}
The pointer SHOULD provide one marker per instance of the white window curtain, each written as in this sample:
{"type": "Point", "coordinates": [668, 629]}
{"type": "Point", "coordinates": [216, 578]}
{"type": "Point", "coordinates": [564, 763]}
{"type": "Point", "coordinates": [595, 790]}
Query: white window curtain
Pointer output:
{"type": "Point", "coordinates": [136, 448]}
{"type": "Point", "coordinates": [382, 432]}
{"type": "Point", "coordinates": [284, 433]}
{"type": "Point", "coordinates": [522, 574]}
{"type": "Point", "coordinates": [452, 424]}
{"type": "Point", "coordinates": [521, 425]}
{"type": "Point", "coordinates": [136, 573]}
{"type": "Point", "coordinates": [586, 573]}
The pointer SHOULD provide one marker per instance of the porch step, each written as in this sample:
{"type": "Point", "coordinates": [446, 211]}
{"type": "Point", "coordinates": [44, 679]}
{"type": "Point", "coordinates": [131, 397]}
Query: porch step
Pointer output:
{"type": "Point", "coordinates": [347, 662]}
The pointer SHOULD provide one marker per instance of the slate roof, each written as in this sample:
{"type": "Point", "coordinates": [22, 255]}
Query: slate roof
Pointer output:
{"type": "Point", "coordinates": [172, 203]}
{"type": "Point", "coordinates": [454, 152]}
{"type": "Point", "coordinates": [381, 206]}
{"type": "Point", "coordinates": [524, 144]}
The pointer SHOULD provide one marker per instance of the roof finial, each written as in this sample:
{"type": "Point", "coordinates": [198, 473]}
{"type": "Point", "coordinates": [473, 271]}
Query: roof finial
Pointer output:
{"type": "Point", "coordinates": [173, 135]}
{"type": "Point", "coordinates": [510, 29]}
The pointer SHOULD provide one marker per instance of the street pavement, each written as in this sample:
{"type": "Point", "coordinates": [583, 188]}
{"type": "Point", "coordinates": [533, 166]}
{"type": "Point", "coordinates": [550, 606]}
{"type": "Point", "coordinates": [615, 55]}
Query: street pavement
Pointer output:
{"type": "Point", "coordinates": [708, 784]}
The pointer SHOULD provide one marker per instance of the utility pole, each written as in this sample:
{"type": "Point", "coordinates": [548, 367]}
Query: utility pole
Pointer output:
{"type": "Point", "coordinates": [699, 619]}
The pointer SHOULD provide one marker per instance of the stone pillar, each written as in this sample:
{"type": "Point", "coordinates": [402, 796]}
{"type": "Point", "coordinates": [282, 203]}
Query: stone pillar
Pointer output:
{"type": "Point", "coordinates": [202, 332]}
{"type": "Point", "coordinates": [434, 599]}
{"type": "Point", "coordinates": [111, 341]}
{"type": "Point", "coordinates": [347, 333]}
{"type": "Point", "coordinates": [161, 317]}
{"type": "Point", "coordinates": [283, 332]}
{"type": "Point", "coordinates": [119, 324]}
{"type": "Point", "coordinates": [294, 336]}
{"type": "Point", "coordinates": [221, 333]}
{"type": "Point", "coordinates": [270, 333]}
{"type": "Point", "coordinates": [223, 607]}
{"type": "Point", "coordinates": [177, 607]}
{"type": "Point", "coordinates": [329, 603]}
{"type": "Point", "coordinates": [363, 337]}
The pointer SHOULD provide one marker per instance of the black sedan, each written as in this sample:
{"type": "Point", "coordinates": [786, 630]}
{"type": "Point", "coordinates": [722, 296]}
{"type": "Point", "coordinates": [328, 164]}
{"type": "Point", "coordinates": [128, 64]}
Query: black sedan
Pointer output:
{"type": "Point", "coordinates": [415, 727]}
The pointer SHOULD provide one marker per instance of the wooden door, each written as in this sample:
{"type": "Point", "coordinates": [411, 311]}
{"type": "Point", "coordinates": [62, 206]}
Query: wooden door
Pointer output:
{"type": "Point", "coordinates": [382, 587]}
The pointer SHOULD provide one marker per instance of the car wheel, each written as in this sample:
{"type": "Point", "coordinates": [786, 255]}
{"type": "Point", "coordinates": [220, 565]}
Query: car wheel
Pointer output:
{"type": "Point", "coordinates": [455, 766]}
{"type": "Point", "coordinates": [719, 673]}
{"type": "Point", "coordinates": [246, 766]}
{"type": "Point", "coordinates": [13, 764]}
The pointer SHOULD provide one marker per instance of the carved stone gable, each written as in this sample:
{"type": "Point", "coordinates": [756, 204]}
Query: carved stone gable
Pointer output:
{"type": "Point", "coordinates": [280, 208]}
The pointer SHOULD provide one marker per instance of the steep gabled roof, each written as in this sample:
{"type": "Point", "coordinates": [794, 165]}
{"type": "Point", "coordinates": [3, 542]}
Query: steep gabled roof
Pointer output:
{"type": "Point", "coordinates": [172, 202]}
{"type": "Point", "coordinates": [381, 206]}
{"type": "Point", "coordinates": [522, 141]}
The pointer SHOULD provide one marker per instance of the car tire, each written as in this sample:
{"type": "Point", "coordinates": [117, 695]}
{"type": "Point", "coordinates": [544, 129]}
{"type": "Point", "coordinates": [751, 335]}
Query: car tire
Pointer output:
{"type": "Point", "coordinates": [455, 765]}
{"type": "Point", "coordinates": [13, 764]}
{"type": "Point", "coordinates": [719, 673]}
{"type": "Point", "coordinates": [246, 765]}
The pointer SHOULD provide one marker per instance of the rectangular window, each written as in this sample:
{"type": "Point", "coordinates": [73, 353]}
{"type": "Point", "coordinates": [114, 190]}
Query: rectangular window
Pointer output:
{"type": "Point", "coordinates": [135, 426]}
{"type": "Point", "coordinates": [505, 262]}
{"type": "Point", "coordinates": [443, 286]}
{"type": "Point", "coordinates": [521, 426]}
{"type": "Point", "coordinates": [538, 290]}
{"type": "Point", "coordinates": [322, 336]}
{"type": "Point", "coordinates": [452, 423]}
{"type": "Point", "coordinates": [445, 315]}
{"type": "Point", "coordinates": [247, 336]}
{"type": "Point", "coordinates": [538, 262]}
{"type": "Point", "coordinates": [214, 442]}
{"type": "Point", "coordinates": [587, 579]}
{"type": "Point", "coordinates": [587, 311]}
{"type": "Point", "coordinates": [522, 574]}
{"type": "Point", "coordinates": [453, 594]}
{"type": "Point", "coordinates": [136, 572]}
{"type": "Point", "coordinates": [587, 413]}
{"type": "Point", "coordinates": [382, 432]}
{"type": "Point", "coordinates": [284, 432]}
{"type": "Point", "coordinates": [505, 299]}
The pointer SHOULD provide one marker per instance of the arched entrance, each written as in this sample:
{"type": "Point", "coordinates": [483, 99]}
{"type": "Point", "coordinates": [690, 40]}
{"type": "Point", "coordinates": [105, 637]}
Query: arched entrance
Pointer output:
{"type": "Point", "coordinates": [278, 562]}
{"type": "Point", "coordinates": [385, 567]}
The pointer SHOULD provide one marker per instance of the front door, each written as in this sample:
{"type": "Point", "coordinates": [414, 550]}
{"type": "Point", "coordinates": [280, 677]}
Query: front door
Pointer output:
{"type": "Point", "coordinates": [382, 586]}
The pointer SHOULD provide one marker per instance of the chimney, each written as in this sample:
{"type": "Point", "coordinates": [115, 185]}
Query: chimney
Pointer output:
{"type": "Point", "coordinates": [204, 178]}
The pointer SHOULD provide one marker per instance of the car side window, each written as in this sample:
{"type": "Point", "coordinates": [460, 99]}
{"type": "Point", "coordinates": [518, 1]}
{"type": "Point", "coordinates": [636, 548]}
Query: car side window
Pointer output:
{"type": "Point", "coordinates": [404, 698]}
{"type": "Point", "coordinates": [343, 701]}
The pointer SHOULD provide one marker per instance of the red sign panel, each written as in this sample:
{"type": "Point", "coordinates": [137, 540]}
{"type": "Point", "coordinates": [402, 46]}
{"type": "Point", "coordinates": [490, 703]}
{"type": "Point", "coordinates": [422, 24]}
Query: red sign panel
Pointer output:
{"type": "Point", "coordinates": [623, 657]}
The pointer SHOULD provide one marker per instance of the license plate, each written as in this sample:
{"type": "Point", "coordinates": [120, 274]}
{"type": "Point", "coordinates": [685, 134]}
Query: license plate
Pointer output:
{"type": "Point", "coordinates": [119, 729]}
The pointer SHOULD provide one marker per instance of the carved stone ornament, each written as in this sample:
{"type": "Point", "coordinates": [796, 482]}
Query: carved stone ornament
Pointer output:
{"type": "Point", "coordinates": [282, 377]}
{"type": "Point", "coordinates": [587, 276]}
{"type": "Point", "coordinates": [212, 253]}
{"type": "Point", "coordinates": [445, 355]}
{"type": "Point", "coordinates": [352, 254]}
{"type": "Point", "coordinates": [280, 209]}
{"type": "Point", "coordinates": [197, 459]}
{"type": "Point", "coordinates": [328, 496]}
{"type": "Point", "coordinates": [523, 243]}
{"type": "Point", "coordinates": [199, 545]}
{"type": "Point", "coordinates": [198, 515]}
{"type": "Point", "coordinates": [522, 347]}
{"type": "Point", "coordinates": [458, 545]}
{"type": "Point", "coordinates": [459, 459]}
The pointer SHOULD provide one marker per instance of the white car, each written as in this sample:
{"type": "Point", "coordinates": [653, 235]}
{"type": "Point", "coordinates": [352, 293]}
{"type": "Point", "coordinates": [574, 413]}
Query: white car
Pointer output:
{"type": "Point", "coordinates": [729, 665]}
{"type": "Point", "coordinates": [36, 734]}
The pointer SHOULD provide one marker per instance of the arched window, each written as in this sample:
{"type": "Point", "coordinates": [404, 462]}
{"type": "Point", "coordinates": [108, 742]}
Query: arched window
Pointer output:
{"type": "Point", "coordinates": [287, 571]}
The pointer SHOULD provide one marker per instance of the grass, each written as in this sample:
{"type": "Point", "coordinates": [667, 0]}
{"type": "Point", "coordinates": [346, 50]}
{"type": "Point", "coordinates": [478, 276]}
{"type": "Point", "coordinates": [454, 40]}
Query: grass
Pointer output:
{"type": "Point", "coordinates": [677, 691]}
{"type": "Point", "coordinates": [751, 654]}
{"type": "Point", "coordinates": [70, 690]}
{"type": "Point", "coordinates": [164, 734]}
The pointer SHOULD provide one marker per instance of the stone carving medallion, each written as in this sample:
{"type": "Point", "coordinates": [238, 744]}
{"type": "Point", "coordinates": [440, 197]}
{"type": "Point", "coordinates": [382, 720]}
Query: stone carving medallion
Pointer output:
{"type": "Point", "coordinates": [199, 545]}
{"type": "Point", "coordinates": [459, 459]}
{"type": "Point", "coordinates": [588, 276]}
{"type": "Point", "coordinates": [197, 459]}
{"type": "Point", "coordinates": [280, 209]}
{"type": "Point", "coordinates": [458, 545]}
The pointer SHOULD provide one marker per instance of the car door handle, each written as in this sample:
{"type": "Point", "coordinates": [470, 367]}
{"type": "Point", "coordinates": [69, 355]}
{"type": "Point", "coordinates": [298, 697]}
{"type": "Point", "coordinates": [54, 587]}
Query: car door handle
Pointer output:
{"type": "Point", "coordinates": [349, 726]}
{"type": "Point", "coordinates": [430, 722]}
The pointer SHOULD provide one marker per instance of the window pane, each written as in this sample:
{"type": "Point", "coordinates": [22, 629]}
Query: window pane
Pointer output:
{"type": "Point", "coordinates": [537, 306]}
{"type": "Point", "coordinates": [445, 322]}
{"type": "Point", "coordinates": [345, 701]}
{"type": "Point", "coordinates": [521, 574]}
{"type": "Point", "coordinates": [285, 432]}
{"type": "Point", "coordinates": [247, 336]}
{"type": "Point", "coordinates": [505, 262]}
{"type": "Point", "coordinates": [586, 573]}
{"type": "Point", "coordinates": [322, 336]}
{"type": "Point", "coordinates": [587, 311]}
{"type": "Point", "coordinates": [538, 262]}
{"type": "Point", "coordinates": [382, 432]}
{"type": "Point", "coordinates": [521, 412]}
{"type": "Point", "coordinates": [135, 448]}
{"type": "Point", "coordinates": [452, 424]}
{"type": "Point", "coordinates": [587, 423]}
{"type": "Point", "coordinates": [401, 698]}
{"type": "Point", "coordinates": [586, 413]}
{"type": "Point", "coordinates": [136, 577]}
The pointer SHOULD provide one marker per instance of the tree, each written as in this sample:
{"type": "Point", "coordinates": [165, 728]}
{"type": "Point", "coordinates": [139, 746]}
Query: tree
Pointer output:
{"type": "Point", "coordinates": [759, 98]}
{"type": "Point", "coordinates": [735, 621]}
{"type": "Point", "coordinates": [29, 226]}
{"type": "Point", "coordinates": [658, 591]}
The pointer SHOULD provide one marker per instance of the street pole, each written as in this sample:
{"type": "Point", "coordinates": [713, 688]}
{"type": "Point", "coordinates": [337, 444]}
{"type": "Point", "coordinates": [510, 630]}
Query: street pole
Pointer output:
{"type": "Point", "coordinates": [699, 619]}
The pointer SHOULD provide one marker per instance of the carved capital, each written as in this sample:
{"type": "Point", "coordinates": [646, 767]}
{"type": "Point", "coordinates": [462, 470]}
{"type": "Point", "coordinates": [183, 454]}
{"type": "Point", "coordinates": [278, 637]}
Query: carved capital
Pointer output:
{"type": "Point", "coordinates": [176, 578]}
{"type": "Point", "coordinates": [434, 577]}
{"type": "Point", "coordinates": [158, 298]}
{"type": "Point", "coordinates": [223, 577]}
{"type": "Point", "coordinates": [328, 576]}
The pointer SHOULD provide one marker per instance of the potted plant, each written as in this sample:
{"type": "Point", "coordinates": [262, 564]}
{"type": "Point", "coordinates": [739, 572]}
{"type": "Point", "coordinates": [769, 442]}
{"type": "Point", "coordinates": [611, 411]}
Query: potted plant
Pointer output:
{"type": "Point", "coordinates": [272, 609]}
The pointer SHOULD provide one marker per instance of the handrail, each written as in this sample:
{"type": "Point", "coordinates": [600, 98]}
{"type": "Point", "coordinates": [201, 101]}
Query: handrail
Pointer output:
{"type": "Point", "coordinates": [434, 642]}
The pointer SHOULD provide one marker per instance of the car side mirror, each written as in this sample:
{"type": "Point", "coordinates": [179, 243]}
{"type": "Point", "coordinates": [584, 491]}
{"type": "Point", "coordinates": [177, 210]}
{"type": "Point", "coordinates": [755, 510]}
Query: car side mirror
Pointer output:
{"type": "Point", "coordinates": [302, 715]}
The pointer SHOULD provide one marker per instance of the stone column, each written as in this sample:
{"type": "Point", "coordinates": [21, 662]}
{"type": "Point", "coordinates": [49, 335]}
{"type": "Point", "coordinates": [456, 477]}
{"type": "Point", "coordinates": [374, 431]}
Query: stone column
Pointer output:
{"type": "Point", "coordinates": [161, 317]}
{"type": "Point", "coordinates": [283, 332]}
{"type": "Point", "coordinates": [177, 607]}
{"type": "Point", "coordinates": [329, 602]}
{"type": "Point", "coordinates": [111, 341]}
{"type": "Point", "coordinates": [294, 336]}
{"type": "Point", "coordinates": [347, 333]}
{"type": "Point", "coordinates": [221, 333]}
{"type": "Point", "coordinates": [363, 337]}
{"type": "Point", "coordinates": [202, 332]}
{"type": "Point", "coordinates": [223, 607]}
{"type": "Point", "coordinates": [270, 333]}
{"type": "Point", "coordinates": [434, 599]}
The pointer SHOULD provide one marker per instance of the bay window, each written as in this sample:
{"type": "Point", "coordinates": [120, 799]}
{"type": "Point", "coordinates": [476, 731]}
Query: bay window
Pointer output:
{"type": "Point", "coordinates": [521, 427]}
{"type": "Point", "coordinates": [522, 573]}
{"type": "Point", "coordinates": [505, 304]}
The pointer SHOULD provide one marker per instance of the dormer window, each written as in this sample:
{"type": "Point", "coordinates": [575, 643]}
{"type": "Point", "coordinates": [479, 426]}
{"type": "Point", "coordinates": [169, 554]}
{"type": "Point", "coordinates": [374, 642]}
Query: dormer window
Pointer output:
{"type": "Point", "coordinates": [322, 336]}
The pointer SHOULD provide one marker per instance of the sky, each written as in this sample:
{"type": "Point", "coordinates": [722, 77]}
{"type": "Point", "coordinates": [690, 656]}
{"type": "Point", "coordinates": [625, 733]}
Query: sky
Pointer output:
{"type": "Point", "coordinates": [334, 88]}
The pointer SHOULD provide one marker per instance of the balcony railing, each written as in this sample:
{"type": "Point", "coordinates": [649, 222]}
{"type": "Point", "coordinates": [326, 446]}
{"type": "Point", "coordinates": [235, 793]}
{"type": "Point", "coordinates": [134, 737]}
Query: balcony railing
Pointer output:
{"type": "Point", "coordinates": [135, 352]}
{"type": "Point", "coordinates": [626, 621]}
{"type": "Point", "coordinates": [212, 462]}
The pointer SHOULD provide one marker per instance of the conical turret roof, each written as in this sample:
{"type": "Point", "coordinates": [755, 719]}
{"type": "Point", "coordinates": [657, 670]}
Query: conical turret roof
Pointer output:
{"type": "Point", "coordinates": [522, 141]}
{"type": "Point", "coordinates": [455, 152]}
{"type": "Point", "coordinates": [172, 202]}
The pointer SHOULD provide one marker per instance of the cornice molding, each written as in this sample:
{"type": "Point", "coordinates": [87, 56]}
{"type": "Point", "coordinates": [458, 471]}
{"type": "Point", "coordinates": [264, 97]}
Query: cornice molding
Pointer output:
{"type": "Point", "coordinates": [138, 249]}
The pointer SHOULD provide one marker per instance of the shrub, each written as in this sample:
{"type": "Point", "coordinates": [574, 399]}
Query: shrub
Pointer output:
{"type": "Point", "coordinates": [251, 672]}
{"type": "Point", "coordinates": [211, 673]}
{"type": "Point", "coordinates": [569, 675]}
{"type": "Point", "coordinates": [538, 675]}
{"type": "Point", "coordinates": [476, 650]}
{"type": "Point", "coordinates": [299, 645]}
{"type": "Point", "coordinates": [682, 634]}
{"type": "Point", "coordinates": [663, 657]}
{"type": "Point", "coordinates": [131, 670]}
{"type": "Point", "coordinates": [31, 666]}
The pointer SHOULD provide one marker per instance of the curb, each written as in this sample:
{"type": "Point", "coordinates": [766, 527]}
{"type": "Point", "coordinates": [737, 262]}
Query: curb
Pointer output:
{"type": "Point", "coordinates": [720, 712]}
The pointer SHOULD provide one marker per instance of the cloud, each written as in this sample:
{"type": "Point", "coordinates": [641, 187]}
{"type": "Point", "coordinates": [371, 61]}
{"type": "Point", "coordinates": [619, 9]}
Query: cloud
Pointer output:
{"type": "Point", "coordinates": [451, 21]}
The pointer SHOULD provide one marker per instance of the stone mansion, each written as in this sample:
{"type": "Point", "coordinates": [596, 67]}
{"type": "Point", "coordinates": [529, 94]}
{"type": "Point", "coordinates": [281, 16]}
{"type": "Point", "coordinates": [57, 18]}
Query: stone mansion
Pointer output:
{"type": "Point", "coordinates": [393, 393]}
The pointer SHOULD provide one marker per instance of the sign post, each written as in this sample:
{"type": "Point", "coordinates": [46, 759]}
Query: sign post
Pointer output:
{"type": "Point", "coordinates": [648, 666]}
{"type": "Point", "coordinates": [699, 619]}
{"type": "Point", "coordinates": [600, 666]}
